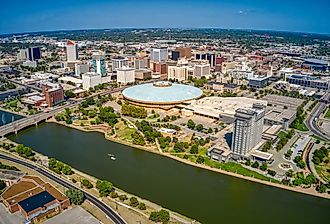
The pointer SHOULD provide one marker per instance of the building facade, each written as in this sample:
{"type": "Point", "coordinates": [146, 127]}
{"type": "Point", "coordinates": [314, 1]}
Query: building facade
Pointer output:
{"type": "Point", "coordinates": [159, 54]}
{"type": "Point", "coordinates": [80, 69]}
{"type": "Point", "coordinates": [308, 81]}
{"type": "Point", "coordinates": [119, 62]}
{"type": "Point", "coordinates": [90, 80]}
{"type": "Point", "coordinates": [54, 93]}
{"type": "Point", "coordinates": [248, 128]}
{"type": "Point", "coordinates": [98, 63]}
{"type": "Point", "coordinates": [179, 73]}
{"type": "Point", "coordinates": [71, 51]}
{"type": "Point", "coordinates": [125, 75]}
{"type": "Point", "coordinates": [201, 70]}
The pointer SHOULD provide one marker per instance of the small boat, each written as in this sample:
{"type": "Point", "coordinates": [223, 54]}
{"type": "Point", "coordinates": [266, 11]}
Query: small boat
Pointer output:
{"type": "Point", "coordinates": [112, 157]}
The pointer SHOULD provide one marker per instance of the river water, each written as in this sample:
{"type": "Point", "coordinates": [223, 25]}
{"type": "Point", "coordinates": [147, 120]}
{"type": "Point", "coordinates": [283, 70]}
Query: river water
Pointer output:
{"type": "Point", "coordinates": [200, 194]}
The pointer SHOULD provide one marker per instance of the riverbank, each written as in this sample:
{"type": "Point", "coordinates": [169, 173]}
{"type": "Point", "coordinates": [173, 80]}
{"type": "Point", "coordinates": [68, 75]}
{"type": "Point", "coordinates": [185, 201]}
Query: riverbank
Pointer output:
{"type": "Point", "coordinates": [309, 191]}
{"type": "Point", "coordinates": [129, 213]}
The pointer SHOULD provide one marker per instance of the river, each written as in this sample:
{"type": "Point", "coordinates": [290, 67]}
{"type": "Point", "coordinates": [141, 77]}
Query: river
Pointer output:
{"type": "Point", "coordinates": [200, 194]}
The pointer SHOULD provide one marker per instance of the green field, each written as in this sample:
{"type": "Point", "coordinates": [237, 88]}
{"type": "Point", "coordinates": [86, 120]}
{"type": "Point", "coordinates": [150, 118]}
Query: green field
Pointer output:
{"type": "Point", "coordinates": [124, 132]}
{"type": "Point", "coordinates": [327, 114]}
{"type": "Point", "coordinates": [231, 167]}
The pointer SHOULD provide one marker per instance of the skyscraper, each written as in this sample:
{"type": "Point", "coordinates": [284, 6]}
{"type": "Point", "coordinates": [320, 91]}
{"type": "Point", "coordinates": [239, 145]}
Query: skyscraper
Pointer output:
{"type": "Point", "coordinates": [159, 54]}
{"type": "Point", "coordinates": [34, 53]}
{"type": "Point", "coordinates": [71, 51]}
{"type": "Point", "coordinates": [99, 64]}
{"type": "Point", "coordinates": [247, 129]}
{"type": "Point", "coordinates": [119, 62]}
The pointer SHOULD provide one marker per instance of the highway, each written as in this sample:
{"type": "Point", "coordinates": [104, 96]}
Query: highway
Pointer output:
{"type": "Point", "coordinates": [115, 217]}
{"type": "Point", "coordinates": [313, 118]}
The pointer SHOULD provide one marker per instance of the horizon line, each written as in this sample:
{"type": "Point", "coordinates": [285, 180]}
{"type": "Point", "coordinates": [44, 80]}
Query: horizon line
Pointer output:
{"type": "Point", "coordinates": [191, 28]}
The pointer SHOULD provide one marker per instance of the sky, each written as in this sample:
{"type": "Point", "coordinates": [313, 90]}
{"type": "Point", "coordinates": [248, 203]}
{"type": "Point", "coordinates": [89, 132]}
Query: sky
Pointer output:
{"type": "Point", "coordinates": [19, 16]}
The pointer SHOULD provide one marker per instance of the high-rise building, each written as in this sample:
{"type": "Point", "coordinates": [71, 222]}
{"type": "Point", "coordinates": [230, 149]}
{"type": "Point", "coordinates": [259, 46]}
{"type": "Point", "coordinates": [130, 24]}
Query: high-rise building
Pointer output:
{"type": "Point", "coordinates": [80, 68]}
{"type": "Point", "coordinates": [159, 54]}
{"type": "Point", "coordinates": [71, 51]}
{"type": "Point", "coordinates": [119, 62]}
{"type": "Point", "coordinates": [99, 64]}
{"type": "Point", "coordinates": [181, 52]}
{"type": "Point", "coordinates": [247, 129]}
{"type": "Point", "coordinates": [34, 53]}
{"type": "Point", "coordinates": [179, 73]}
{"type": "Point", "coordinates": [90, 80]}
{"type": "Point", "coordinates": [141, 63]}
{"type": "Point", "coordinates": [201, 70]}
{"type": "Point", "coordinates": [125, 75]}
{"type": "Point", "coordinates": [30, 54]}
{"type": "Point", "coordinates": [206, 56]}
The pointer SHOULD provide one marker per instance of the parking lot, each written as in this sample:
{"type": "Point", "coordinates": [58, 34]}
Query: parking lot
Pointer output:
{"type": "Point", "coordinates": [7, 218]}
{"type": "Point", "coordinates": [76, 215]}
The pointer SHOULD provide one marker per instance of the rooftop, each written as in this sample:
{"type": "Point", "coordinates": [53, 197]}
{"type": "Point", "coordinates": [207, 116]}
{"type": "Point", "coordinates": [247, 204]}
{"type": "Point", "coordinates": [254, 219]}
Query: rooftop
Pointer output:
{"type": "Point", "coordinates": [150, 93]}
{"type": "Point", "coordinates": [36, 201]}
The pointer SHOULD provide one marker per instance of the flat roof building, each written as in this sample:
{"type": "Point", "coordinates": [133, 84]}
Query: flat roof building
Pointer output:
{"type": "Point", "coordinates": [71, 51]}
{"type": "Point", "coordinates": [308, 81]}
{"type": "Point", "coordinates": [248, 128]}
{"type": "Point", "coordinates": [90, 80]}
{"type": "Point", "coordinates": [125, 75]}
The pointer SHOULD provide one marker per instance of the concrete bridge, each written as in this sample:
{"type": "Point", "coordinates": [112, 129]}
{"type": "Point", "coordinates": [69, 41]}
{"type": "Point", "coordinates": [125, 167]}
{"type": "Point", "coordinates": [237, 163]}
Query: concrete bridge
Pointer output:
{"type": "Point", "coordinates": [16, 126]}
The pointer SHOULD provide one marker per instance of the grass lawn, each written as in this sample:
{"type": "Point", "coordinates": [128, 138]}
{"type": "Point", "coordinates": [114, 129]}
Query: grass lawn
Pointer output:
{"type": "Point", "coordinates": [282, 134]}
{"type": "Point", "coordinates": [327, 114]}
{"type": "Point", "coordinates": [323, 170]}
{"type": "Point", "coordinates": [300, 127]}
{"type": "Point", "coordinates": [124, 132]}
{"type": "Point", "coordinates": [237, 168]}
{"type": "Point", "coordinates": [231, 167]}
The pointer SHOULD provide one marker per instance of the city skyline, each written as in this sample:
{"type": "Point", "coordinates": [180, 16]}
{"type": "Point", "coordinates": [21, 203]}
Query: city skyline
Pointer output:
{"type": "Point", "coordinates": [293, 16]}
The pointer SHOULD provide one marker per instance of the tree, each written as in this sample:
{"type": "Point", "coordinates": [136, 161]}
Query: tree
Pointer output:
{"type": "Point", "coordinates": [255, 164]}
{"type": "Point", "coordinates": [2, 185]}
{"type": "Point", "coordinates": [66, 170]}
{"type": "Point", "coordinates": [194, 149]}
{"type": "Point", "coordinates": [76, 196]}
{"type": "Point", "coordinates": [199, 127]}
{"type": "Point", "coordinates": [123, 197]}
{"type": "Point", "coordinates": [104, 187]}
{"type": "Point", "coordinates": [133, 202]}
{"type": "Point", "coordinates": [200, 159]}
{"type": "Point", "coordinates": [299, 162]}
{"type": "Point", "coordinates": [310, 179]}
{"type": "Point", "coordinates": [69, 94]}
{"type": "Point", "coordinates": [113, 194]}
{"type": "Point", "coordinates": [271, 172]}
{"type": "Point", "coordinates": [209, 130]}
{"type": "Point", "coordinates": [160, 216]}
{"type": "Point", "coordinates": [138, 138]}
{"type": "Point", "coordinates": [191, 124]}
{"type": "Point", "coordinates": [86, 183]}
{"type": "Point", "coordinates": [321, 188]}
{"type": "Point", "coordinates": [264, 166]}
{"type": "Point", "coordinates": [142, 206]}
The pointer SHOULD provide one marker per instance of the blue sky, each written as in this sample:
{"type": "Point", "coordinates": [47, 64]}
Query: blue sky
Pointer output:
{"type": "Point", "coordinates": [44, 15]}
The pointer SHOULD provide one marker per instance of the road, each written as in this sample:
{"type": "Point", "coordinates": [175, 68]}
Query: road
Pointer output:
{"type": "Point", "coordinates": [34, 119]}
{"type": "Point", "coordinates": [115, 217]}
{"type": "Point", "coordinates": [312, 121]}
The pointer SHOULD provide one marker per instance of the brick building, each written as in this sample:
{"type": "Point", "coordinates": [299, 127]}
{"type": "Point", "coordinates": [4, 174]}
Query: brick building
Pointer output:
{"type": "Point", "coordinates": [54, 93]}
